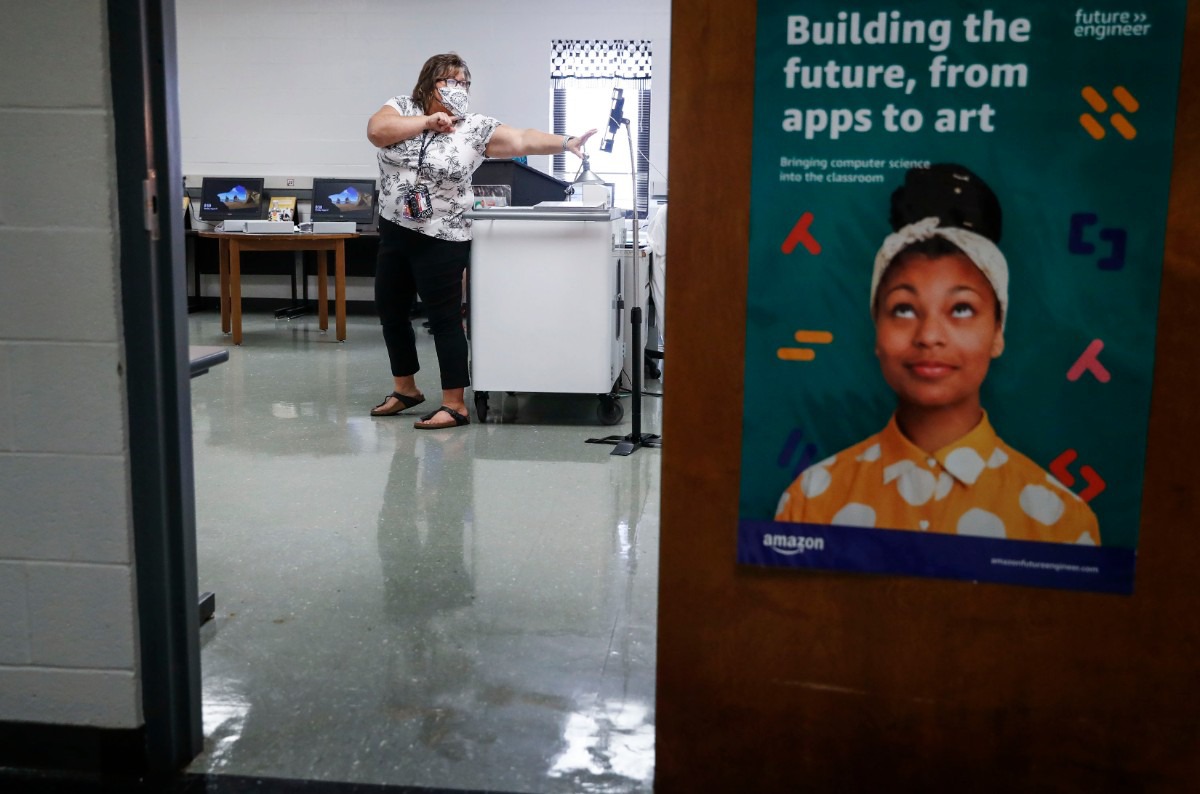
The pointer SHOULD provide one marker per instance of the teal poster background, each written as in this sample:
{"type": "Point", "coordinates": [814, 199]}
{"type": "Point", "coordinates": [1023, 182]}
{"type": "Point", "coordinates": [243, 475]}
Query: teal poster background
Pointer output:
{"type": "Point", "coordinates": [1067, 112]}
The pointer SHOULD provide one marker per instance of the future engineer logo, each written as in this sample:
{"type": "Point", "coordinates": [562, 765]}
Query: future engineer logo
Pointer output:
{"type": "Point", "coordinates": [791, 545]}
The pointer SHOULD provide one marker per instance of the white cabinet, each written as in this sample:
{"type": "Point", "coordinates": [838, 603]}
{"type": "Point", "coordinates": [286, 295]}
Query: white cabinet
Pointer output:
{"type": "Point", "coordinates": [545, 301]}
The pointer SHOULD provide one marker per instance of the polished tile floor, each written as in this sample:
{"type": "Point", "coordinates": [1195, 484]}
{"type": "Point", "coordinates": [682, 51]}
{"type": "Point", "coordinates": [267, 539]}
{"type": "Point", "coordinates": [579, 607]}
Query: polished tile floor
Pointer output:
{"type": "Point", "coordinates": [469, 608]}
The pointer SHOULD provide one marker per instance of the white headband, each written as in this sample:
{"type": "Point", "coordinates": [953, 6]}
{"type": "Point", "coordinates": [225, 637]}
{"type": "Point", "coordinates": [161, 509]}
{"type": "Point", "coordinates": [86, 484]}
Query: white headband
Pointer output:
{"type": "Point", "coordinates": [979, 249]}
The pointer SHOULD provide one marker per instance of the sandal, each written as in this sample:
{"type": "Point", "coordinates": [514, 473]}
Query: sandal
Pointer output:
{"type": "Point", "coordinates": [404, 402]}
{"type": "Point", "coordinates": [459, 419]}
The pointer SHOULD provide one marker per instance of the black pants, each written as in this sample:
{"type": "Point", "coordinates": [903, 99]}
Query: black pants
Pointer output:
{"type": "Point", "coordinates": [412, 264]}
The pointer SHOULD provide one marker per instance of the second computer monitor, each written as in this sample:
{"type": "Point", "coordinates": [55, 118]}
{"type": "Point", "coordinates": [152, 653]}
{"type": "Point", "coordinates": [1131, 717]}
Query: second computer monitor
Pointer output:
{"type": "Point", "coordinates": [343, 200]}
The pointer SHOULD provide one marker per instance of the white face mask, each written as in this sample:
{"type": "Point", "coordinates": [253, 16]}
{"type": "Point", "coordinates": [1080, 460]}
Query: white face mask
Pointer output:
{"type": "Point", "coordinates": [455, 100]}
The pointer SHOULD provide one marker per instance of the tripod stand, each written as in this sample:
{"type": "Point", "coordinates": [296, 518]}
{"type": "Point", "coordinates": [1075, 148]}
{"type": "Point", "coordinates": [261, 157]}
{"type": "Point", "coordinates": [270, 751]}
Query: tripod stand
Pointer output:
{"type": "Point", "coordinates": [627, 445]}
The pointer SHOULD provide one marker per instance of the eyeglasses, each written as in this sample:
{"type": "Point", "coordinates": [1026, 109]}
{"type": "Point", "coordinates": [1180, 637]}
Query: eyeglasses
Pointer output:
{"type": "Point", "coordinates": [454, 83]}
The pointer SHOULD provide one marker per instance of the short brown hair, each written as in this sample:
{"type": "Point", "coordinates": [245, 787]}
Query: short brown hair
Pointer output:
{"type": "Point", "coordinates": [437, 68]}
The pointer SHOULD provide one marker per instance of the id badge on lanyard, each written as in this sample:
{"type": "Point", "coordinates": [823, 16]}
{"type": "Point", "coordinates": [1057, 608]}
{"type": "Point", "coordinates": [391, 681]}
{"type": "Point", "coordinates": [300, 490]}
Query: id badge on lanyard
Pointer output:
{"type": "Point", "coordinates": [418, 205]}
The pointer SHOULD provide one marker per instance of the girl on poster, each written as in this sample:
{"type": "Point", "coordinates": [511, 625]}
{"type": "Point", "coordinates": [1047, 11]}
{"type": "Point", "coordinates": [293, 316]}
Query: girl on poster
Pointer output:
{"type": "Point", "coordinates": [939, 300]}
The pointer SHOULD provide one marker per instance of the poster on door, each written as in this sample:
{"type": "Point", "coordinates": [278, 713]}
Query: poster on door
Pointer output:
{"type": "Point", "coordinates": [957, 220]}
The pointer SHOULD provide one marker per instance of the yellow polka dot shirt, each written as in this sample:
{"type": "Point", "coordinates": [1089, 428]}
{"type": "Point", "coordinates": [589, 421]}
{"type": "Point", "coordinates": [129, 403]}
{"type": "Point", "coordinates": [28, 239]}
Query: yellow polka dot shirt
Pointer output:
{"type": "Point", "coordinates": [976, 486]}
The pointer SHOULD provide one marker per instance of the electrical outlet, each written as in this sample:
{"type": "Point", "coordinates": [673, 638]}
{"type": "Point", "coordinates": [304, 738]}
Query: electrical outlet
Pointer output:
{"type": "Point", "coordinates": [291, 182]}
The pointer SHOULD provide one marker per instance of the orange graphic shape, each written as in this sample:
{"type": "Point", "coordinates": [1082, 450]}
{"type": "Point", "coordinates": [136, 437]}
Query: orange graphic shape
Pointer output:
{"type": "Point", "coordinates": [1093, 127]}
{"type": "Point", "coordinates": [814, 337]}
{"type": "Point", "coordinates": [1093, 98]}
{"type": "Point", "coordinates": [796, 354]}
{"type": "Point", "coordinates": [1127, 130]}
{"type": "Point", "coordinates": [1126, 99]}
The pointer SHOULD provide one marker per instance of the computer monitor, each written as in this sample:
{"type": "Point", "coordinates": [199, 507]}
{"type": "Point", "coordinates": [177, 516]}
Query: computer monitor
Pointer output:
{"type": "Point", "coordinates": [231, 197]}
{"type": "Point", "coordinates": [343, 200]}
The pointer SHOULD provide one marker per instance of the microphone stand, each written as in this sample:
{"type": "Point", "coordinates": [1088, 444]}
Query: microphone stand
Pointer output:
{"type": "Point", "coordinates": [627, 445]}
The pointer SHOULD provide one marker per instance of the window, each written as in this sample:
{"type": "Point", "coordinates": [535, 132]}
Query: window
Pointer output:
{"type": "Point", "coordinates": [583, 74]}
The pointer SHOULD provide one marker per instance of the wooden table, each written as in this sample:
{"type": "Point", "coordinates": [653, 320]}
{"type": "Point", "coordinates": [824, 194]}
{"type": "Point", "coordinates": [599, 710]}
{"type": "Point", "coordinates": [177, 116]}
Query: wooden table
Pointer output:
{"type": "Point", "coordinates": [233, 243]}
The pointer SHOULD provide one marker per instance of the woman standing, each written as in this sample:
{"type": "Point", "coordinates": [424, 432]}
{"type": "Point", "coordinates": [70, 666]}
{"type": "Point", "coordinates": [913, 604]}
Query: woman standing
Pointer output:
{"type": "Point", "coordinates": [429, 147]}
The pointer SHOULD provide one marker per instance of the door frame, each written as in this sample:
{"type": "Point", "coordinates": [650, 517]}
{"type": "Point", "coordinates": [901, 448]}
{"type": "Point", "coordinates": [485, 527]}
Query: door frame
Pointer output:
{"type": "Point", "coordinates": [142, 57]}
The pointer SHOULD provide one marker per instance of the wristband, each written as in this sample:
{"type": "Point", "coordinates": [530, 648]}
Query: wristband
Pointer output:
{"type": "Point", "coordinates": [567, 139]}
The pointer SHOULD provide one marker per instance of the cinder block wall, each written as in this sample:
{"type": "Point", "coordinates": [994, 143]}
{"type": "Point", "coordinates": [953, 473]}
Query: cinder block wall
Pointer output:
{"type": "Point", "coordinates": [68, 633]}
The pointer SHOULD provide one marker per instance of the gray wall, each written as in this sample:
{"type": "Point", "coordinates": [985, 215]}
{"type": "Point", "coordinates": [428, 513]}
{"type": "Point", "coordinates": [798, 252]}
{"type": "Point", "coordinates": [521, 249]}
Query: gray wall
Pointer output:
{"type": "Point", "coordinates": [285, 87]}
{"type": "Point", "coordinates": [68, 631]}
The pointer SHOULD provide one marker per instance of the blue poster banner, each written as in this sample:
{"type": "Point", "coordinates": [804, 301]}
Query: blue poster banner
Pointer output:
{"type": "Point", "coordinates": [956, 243]}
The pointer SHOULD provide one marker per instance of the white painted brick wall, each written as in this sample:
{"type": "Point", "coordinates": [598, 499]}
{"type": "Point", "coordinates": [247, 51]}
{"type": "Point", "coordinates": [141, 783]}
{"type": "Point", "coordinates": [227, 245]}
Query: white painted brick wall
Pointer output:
{"type": "Point", "coordinates": [61, 288]}
{"type": "Point", "coordinates": [72, 622]}
{"type": "Point", "coordinates": [6, 420]}
{"type": "Point", "coordinates": [14, 615]}
{"type": "Point", "coordinates": [94, 698]}
{"type": "Point", "coordinates": [49, 497]}
{"type": "Point", "coordinates": [68, 645]}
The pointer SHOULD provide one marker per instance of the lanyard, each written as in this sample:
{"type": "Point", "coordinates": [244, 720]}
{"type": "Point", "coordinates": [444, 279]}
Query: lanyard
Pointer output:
{"type": "Point", "coordinates": [425, 141]}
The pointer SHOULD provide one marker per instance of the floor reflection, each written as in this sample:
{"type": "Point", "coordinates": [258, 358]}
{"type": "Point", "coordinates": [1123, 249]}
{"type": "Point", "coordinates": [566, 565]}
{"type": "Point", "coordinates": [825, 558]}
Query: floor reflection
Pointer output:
{"type": "Point", "coordinates": [224, 715]}
{"type": "Point", "coordinates": [608, 748]}
{"type": "Point", "coordinates": [463, 608]}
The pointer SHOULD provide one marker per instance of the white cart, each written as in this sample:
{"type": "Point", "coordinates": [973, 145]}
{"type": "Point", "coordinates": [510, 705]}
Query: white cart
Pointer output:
{"type": "Point", "coordinates": [546, 313]}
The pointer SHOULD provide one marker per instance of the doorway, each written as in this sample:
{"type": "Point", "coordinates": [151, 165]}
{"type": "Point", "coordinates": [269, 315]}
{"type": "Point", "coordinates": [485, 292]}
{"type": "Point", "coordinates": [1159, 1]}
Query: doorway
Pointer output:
{"type": "Point", "coordinates": [493, 556]}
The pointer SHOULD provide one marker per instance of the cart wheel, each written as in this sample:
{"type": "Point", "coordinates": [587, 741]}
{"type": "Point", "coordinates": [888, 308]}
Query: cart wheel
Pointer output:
{"type": "Point", "coordinates": [481, 406]}
{"type": "Point", "coordinates": [609, 411]}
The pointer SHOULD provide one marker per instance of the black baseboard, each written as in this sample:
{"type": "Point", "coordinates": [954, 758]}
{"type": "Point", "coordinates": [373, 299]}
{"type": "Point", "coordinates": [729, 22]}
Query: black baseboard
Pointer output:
{"type": "Point", "coordinates": [211, 303]}
{"type": "Point", "coordinates": [73, 748]}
